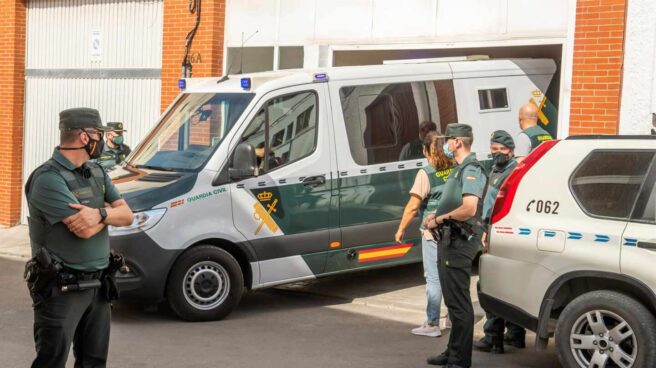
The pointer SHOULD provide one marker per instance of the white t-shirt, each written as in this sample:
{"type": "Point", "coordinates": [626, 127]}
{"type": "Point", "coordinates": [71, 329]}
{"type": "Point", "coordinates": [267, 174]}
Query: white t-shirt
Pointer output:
{"type": "Point", "coordinates": [522, 145]}
{"type": "Point", "coordinates": [421, 188]}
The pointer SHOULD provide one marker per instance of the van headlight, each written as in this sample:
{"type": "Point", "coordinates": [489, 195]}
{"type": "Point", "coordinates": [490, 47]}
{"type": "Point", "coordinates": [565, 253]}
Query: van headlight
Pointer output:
{"type": "Point", "coordinates": [141, 221]}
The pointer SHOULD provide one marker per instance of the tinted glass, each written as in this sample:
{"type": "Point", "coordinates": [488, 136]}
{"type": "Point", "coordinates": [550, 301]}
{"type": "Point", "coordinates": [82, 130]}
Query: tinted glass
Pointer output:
{"type": "Point", "coordinates": [292, 130]}
{"type": "Point", "coordinates": [382, 120]}
{"type": "Point", "coordinates": [607, 183]}
{"type": "Point", "coordinates": [645, 208]}
{"type": "Point", "coordinates": [489, 99]}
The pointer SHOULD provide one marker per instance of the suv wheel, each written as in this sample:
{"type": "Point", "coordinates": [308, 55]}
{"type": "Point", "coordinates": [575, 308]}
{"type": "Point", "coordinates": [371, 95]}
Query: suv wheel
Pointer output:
{"type": "Point", "coordinates": [206, 284]}
{"type": "Point", "coordinates": [603, 329]}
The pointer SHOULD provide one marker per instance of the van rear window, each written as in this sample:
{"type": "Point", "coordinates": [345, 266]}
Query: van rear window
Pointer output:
{"type": "Point", "coordinates": [607, 182]}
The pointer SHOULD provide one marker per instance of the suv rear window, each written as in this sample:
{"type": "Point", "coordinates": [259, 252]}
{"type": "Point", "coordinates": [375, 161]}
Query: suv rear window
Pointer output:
{"type": "Point", "coordinates": [607, 182]}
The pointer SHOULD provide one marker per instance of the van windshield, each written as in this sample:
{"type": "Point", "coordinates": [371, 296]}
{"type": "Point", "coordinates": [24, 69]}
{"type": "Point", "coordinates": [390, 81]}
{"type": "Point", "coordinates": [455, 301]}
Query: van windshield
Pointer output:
{"type": "Point", "coordinates": [191, 131]}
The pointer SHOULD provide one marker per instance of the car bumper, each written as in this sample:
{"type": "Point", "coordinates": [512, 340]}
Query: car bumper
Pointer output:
{"type": "Point", "coordinates": [506, 311]}
{"type": "Point", "coordinates": [149, 267]}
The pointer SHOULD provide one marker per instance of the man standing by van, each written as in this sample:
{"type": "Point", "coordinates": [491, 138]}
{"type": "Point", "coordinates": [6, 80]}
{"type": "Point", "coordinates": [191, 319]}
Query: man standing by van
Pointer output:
{"type": "Point", "coordinates": [68, 277]}
{"type": "Point", "coordinates": [502, 148]}
{"type": "Point", "coordinates": [414, 148]}
{"type": "Point", "coordinates": [115, 150]}
{"type": "Point", "coordinates": [458, 220]}
{"type": "Point", "coordinates": [531, 135]}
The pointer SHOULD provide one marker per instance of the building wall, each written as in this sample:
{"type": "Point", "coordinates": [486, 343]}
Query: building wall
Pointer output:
{"type": "Point", "coordinates": [12, 77]}
{"type": "Point", "coordinates": [597, 66]}
{"type": "Point", "coordinates": [206, 53]}
{"type": "Point", "coordinates": [639, 78]}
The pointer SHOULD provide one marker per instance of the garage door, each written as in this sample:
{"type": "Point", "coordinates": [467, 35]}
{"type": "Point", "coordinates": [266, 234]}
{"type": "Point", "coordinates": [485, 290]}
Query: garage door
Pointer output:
{"type": "Point", "coordinates": [104, 54]}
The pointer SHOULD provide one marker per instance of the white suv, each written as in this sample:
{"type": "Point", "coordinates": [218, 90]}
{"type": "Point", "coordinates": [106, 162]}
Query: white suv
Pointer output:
{"type": "Point", "coordinates": [573, 250]}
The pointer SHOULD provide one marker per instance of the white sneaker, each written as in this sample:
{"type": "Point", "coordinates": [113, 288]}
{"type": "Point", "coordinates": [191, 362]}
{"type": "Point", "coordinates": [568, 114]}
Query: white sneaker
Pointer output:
{"type": "Point", "coordinates": [445, 323]}
{"type": "Point", "coordinates": [427, 330]}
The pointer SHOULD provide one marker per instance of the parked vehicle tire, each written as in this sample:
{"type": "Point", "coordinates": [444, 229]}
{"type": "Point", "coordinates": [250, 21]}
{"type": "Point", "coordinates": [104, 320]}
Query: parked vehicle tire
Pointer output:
{"type": "Point", "coordinates": [205, 284]}
{"type": "Point", "coordinates": [606, 329]}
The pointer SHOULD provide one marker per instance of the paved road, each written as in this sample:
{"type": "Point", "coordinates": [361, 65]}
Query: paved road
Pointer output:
{"type": "Point", "coordinates": [291, 327]}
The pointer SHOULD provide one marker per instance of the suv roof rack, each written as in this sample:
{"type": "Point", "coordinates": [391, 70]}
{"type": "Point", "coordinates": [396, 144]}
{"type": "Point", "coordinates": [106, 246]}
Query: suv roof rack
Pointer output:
{"type": "Point", "coordinates": [599, 136]}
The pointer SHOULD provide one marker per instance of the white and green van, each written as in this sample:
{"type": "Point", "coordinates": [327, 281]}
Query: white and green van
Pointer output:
{"type": "Point", "coordinates": [250, 181]}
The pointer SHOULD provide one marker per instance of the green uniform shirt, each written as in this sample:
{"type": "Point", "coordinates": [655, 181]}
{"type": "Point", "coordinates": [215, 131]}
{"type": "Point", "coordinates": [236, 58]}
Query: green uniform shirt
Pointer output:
{"type": "Point", "coordinates": [496, 179]}
{"type": "Point", "coordinates": [48, 201]}
{"type": "Point", "coordinates": [471, 181]}
{"type": "Point", "coordinates": [468, 181]}
{"type": "Point", "coordinates": [111, 157]}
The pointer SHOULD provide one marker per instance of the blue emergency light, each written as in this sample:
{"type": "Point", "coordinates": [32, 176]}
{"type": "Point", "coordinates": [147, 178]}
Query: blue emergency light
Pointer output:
{"type": "Point", "coordinates": [320, 77]}
{"type": "Point", "coordinates": [182, 84]}
{"type": "Point", "coordinates": [246, 83]}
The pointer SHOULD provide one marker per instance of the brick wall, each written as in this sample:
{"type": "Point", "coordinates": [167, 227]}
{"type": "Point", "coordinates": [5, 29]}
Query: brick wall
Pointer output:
{"type": "Point", "coordinates": [12, 72]}
{"type": "Point", "coordinates": [597, 66]}
{"type": "Point", "coordinates": [207, 45]}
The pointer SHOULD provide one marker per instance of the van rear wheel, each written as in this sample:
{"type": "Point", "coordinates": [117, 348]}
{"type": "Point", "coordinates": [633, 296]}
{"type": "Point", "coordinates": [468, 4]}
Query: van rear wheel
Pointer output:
{"type": "Point", "coordinates": [206, 283]}
{"type": "Point", "coordinates": [604, 329]}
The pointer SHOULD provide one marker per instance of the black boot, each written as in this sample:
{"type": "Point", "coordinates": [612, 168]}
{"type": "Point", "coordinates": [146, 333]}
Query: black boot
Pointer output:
{"type": "Point", "coordinates": [516, 342]}
{"type": "Point", "coordinates": [442, 359]}
{"type": "Point", "coordinates": [494, 345]}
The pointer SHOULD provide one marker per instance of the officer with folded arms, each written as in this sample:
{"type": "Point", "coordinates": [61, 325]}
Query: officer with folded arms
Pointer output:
{"type": "Point", "coordinates": [71, 201]}
{"type": "Point", "coordinates": [459, 226]}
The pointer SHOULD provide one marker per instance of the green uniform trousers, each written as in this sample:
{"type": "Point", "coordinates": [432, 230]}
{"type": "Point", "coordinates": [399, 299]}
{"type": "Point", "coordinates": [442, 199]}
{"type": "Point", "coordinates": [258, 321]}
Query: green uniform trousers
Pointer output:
{"type": "Point", "coordinates": [455, 290]}
{"type": "Point", "coordinates": [78, 317]}
{"type": "Point", "coordinates": [494, 328]}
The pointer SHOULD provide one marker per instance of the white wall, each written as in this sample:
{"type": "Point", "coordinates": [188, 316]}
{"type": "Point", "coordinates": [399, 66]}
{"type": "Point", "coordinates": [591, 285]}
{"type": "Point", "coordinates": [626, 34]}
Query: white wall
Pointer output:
{"type": "Point", "coordinates": [639, 80]}
{"type": "Point", "coordinates": [382, 21]}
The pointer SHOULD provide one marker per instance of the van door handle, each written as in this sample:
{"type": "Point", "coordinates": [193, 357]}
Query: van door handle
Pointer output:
{"type": "Point", "coordinates": [313, 181]}
{"type": "Point", "coordinates": [647, 245]}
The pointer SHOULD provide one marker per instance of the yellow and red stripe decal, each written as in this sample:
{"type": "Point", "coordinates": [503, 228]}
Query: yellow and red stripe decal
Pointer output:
{"type": "Point", "coordinates": [377, 254]}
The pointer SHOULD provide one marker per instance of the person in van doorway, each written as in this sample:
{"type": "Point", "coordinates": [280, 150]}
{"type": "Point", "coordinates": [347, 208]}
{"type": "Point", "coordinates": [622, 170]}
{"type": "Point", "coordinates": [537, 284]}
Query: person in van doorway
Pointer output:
{"type": "Point", "coordinates": [71, 202]}
{"type": "Point", "coordinates": [115, 150]}
{"type": "Point", "coordinates": [414, 148]}
{"type": "Point", "coordinates": [502, 149]}
{"type": "Point", "coordinates": [531, 135]}
{"type": "Point", "coordinates": [457, 221]}
{"type": "Point", "coordinates": [424, 196]}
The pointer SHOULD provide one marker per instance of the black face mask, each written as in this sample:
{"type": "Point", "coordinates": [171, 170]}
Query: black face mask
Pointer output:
{"type": "Point", "coordinates": [500, 158]}
{"type": "Point", "coordinates": [94, 147]}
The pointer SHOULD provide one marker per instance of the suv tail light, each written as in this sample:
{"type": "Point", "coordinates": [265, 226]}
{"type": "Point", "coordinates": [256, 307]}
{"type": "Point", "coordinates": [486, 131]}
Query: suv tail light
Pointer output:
{"type": "Point", "coordinates": [507, 192]}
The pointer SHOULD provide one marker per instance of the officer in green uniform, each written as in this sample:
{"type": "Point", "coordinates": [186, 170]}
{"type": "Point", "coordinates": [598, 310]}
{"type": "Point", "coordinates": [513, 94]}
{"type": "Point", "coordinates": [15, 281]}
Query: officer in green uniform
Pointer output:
{"type": "Point", "coordinates": [502, 148]}
{"type": "Point", "coordinates": [115, 150]}
{"type": "Point", "coordinates": [71, 201]}
{"type": "Point", "coordinates": [531, 135]}
{"type": "Point", "coordinates": [458, 220]}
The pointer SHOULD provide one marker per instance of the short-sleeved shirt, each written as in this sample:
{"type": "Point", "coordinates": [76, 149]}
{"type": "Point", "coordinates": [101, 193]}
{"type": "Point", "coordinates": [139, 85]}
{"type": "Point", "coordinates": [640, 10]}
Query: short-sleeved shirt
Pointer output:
{"type": "Point", "coordinates": [48, 201]}
{"type": "Point", "coordinates": [522, 145]}
{"type": "Point", "coordinates": [473, 183]}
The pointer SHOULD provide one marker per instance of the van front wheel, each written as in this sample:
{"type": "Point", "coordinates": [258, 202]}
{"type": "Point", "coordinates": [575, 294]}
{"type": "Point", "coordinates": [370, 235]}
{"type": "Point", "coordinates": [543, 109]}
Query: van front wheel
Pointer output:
{"type": "Point", "coordinates": [206, 284]}
{"type": "Point", "coordinates": [606, 329]}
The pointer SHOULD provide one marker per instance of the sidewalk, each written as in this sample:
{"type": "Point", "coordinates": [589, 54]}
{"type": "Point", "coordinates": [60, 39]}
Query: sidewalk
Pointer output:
{"type": "Point", "coordinates": [15, 243]}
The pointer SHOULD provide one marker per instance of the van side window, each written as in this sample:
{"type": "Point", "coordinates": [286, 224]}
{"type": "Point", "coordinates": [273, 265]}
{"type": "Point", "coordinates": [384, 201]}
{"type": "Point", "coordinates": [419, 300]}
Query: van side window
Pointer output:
{"type": "Point", "coordinates": [292, 134]}
{"type": "Point", "coordinates": [491, 99]}
{"type": "Point", "coordinates": [607, 182]}
{"type": "Point", "coordinates": [382, 120]}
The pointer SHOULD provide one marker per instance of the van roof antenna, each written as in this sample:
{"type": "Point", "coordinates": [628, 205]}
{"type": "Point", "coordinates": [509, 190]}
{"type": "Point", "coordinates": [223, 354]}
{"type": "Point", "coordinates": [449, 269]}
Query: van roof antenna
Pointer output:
{"type": "Point", "coordinates": [241, 50]}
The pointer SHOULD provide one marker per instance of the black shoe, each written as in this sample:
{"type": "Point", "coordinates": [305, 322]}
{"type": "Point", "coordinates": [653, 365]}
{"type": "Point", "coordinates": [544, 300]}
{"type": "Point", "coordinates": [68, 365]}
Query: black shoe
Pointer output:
{"type": "Point", "coordinates": [494, 347]}
{"type": "Point", "coordinates": [442, 359]}
{"type": "Point", "coordinates": [454, 366]}
{"type": "Point", "coordinates": [519, 343]}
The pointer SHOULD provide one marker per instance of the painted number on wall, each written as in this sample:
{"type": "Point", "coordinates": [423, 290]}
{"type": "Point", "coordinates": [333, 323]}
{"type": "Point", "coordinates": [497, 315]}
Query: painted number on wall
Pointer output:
{"type": "Point", "coordinates": [540, 206]}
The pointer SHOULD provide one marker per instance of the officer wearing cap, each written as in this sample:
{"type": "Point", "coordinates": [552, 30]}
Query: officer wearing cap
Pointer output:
{"type": "Point", "coordinates": [71, 201]}
{"type": "Point", "coordinates": [115, 150]}
{"type": "Point", "coordinates": [458, 221]}
{"type": "Point", "coordinates": [502, 150]}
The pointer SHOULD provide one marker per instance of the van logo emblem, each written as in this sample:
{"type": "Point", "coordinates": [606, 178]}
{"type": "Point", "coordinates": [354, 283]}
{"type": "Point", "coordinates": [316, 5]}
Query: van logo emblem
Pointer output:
{"type": "Point", "coordinates": [539, 96]}
{"type": "Point", "coordinates": [263, 215]}
{"type": "Point", "coordinates": [264, 196]}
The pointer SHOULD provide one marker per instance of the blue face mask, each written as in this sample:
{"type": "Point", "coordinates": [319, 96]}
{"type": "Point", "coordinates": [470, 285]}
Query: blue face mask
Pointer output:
{"type": "Point", "coordinates": [447, 153]}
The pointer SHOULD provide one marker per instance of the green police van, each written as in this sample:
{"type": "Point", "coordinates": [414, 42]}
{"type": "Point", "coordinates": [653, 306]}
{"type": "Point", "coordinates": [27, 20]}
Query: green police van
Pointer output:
{"type": "Point", "coordinates": [250, 181]}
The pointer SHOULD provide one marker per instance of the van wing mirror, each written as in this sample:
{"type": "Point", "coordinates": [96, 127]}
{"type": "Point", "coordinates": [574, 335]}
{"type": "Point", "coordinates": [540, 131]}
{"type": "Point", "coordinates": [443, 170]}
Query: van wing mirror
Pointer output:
{"type": "Point", "coordinates": [244, 162]}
